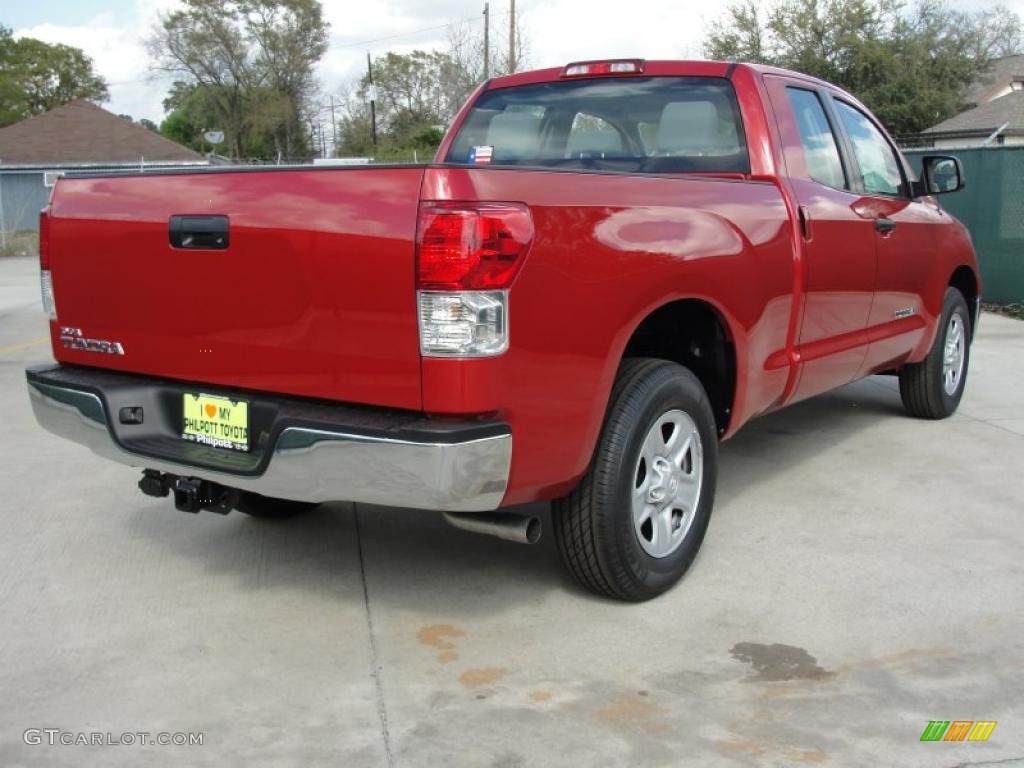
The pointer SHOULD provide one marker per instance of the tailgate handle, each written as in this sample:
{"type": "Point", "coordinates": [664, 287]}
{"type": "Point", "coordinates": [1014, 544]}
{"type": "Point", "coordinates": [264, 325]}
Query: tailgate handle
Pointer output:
{"type": "Point", "coordinates": [205, 232]}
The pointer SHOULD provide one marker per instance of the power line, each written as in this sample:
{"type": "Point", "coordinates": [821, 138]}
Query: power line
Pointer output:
{"type": "Point", "coordinates": [413, 33]}
{"type": "Point", "coordinates": [404, 34]}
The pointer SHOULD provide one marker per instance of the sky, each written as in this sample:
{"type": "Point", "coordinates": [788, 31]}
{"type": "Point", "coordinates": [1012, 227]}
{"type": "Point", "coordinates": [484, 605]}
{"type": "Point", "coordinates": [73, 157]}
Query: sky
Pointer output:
{"type": "Point", "coordinates": [112, 33]}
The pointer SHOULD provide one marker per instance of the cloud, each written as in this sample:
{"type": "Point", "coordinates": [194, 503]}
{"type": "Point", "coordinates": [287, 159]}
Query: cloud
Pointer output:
{"type": "Point", "coordinates": [557, 31]}
{"type": "Point", "coordinates": [116, 44]}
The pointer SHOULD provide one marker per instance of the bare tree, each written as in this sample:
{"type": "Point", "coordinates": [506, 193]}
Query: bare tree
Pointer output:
{"type": "Point", "coordinates": [465, 49]}
{"type": "Point", "coordinates": [253, 59]}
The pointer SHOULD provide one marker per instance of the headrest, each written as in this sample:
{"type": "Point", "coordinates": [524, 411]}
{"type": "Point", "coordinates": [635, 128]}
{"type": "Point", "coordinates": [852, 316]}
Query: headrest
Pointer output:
{"type": "Point", "coordinates": [514, 135]}
{"type": "Point", "coordinates": [601, 141]}
{"type": "Point", "coordinates": [691, 128]}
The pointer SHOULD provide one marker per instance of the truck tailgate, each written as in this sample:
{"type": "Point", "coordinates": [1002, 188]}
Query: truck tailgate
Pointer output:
{"type": "Point", "coordinates": [313, 295]}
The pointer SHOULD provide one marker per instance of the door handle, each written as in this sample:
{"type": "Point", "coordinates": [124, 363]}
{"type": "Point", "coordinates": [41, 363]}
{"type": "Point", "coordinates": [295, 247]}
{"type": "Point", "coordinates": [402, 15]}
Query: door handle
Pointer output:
{"type": "Point", "coordinates": [885, 226]}
{"type": "Point", "coordinates": [199, 232]}
{"type": "Point", "coordinates": [805, 221]}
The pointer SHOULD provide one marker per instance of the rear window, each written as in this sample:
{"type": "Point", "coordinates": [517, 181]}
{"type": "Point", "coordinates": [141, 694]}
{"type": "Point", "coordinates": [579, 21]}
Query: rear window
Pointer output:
{"type": "Point", "coordinates": [635, 125]}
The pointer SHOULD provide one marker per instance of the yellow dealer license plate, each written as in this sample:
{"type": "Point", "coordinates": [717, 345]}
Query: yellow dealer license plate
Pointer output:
{"type": "Point", "coordinates": [216, 421]}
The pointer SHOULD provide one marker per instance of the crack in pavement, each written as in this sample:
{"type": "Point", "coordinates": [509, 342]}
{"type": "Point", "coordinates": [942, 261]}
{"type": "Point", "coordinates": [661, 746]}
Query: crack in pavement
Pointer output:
{"type": "Point", "coordinates": [382, 713]}
{"type": "Point", "coordinates": [983, 763]}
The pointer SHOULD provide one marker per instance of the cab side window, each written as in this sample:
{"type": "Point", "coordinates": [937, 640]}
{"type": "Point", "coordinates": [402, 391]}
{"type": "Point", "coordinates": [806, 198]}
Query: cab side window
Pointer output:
{"type": "Point", "coordinates": [821, 152]}
{"type": "Point", "coordinates": [879, 168]}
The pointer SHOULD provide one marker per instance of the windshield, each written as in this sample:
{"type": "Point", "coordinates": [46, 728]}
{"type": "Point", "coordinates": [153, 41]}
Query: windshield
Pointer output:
{"type": "Point", "coordinates": [637, 125]}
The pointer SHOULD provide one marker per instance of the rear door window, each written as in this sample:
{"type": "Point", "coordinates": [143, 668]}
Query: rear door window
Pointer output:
{"type": "Point", "coordinates": [821, 150]}
{"type": "Point", "coordinates": [636, 125]}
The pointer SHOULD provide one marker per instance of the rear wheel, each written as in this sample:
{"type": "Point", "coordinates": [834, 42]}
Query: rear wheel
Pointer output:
{"type": "Point", "coordinates": [932, 388]}
{"type": "Point", "coordinates": [268, 507]}
{"type": "Point", "coordinates": [635, 522]}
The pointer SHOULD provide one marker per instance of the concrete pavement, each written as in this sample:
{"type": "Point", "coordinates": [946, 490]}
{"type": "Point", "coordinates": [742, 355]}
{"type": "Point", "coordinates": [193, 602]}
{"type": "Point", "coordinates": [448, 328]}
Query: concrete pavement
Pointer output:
{"type": "Point", "coordinates": [861, 576]}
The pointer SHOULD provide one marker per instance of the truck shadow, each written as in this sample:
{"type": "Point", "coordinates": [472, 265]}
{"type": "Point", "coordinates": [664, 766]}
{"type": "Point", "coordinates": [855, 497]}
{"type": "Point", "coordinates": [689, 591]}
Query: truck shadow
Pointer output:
{"type": "Point", "coordinates": [413, 560]}
{"type": "Point", "coordinates": [783, 441]}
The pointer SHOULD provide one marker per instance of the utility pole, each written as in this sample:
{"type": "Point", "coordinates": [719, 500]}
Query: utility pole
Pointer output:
{"type": "Point", "coordinates": [487, 41]}
{"type": "Point", "coordinates": [512, 38]}
{"type": "Point", "coordinates": [334, 129]}
{"type": "Point", "coordinates": [373, 99]}
{"type": "Point", "coordinates": [3, 224]}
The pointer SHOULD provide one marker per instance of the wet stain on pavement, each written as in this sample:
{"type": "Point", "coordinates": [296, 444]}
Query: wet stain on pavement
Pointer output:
{"type": "Point", "coordinates": [909, 658]}
{"type": "Point", "coordinates": [482, 676]}
{"type": "Point", "coordinates": [633, 712]}
{"type": "Point", "coordinates": [807, 755]}
{"type": "Point", "coordinates": [436, 636]}
{"type": "Point", "coordinates": [736, 747]}
{"type": "Point", "coordinates": [777, 662]}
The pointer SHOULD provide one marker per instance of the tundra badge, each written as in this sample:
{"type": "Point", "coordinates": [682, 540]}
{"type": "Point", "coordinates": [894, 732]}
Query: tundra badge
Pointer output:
{"type": "Point", "coordinates": [72, 338]}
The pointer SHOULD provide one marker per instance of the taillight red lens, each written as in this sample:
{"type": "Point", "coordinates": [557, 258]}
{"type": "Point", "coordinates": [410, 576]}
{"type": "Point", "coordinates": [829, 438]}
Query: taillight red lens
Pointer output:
{"type": "Point", "coordinates": [471, 246]}
{"type": "Point", "coordinates": [44, 238]}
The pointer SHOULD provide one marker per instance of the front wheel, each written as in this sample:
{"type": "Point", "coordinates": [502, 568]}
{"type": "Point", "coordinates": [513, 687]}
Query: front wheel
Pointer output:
{"type": "Point", "coordinates": [932, 388]}
{"type": "Point", "coordinates": [634, 524]}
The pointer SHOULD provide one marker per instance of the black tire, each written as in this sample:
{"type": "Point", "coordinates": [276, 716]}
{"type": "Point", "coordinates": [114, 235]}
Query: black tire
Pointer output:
{"type": "Point", "coordinates": [594, 525]}
{"type": "Point", "coordinates": [268, 507]}
{"type": "Point", "coordinates": [922, 385]}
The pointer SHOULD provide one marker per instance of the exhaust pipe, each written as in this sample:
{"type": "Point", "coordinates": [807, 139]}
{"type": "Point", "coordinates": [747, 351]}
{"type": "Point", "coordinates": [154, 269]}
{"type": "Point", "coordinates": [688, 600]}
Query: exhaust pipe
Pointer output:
{"type": "Point", "coordinates": [522, 529]}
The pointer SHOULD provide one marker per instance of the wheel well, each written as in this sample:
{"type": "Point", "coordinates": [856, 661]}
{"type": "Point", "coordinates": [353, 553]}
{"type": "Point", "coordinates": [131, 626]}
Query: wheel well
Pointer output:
{"type": "Point", "coordinates": [691, 332]}
{"type": "Point", "coordinates": [963, 280]}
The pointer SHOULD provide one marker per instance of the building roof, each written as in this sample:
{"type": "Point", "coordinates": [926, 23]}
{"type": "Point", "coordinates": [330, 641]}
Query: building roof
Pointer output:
{"type": "Point", "coordinates": [999, 75]}
{"type": "Point", "coordinates": [1007, 110]}
{"type": "Point", "coordinates": [80, 132]}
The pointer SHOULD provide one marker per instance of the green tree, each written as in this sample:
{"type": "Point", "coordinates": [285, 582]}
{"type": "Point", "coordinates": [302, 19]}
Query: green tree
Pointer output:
{"type": "Point", "coordinates": [415, 94]}
{"type": "Point", "coordinates": [910, 65]}
{"type": "Point", "coordinates": [178, 127]}
{"type": "Point", "coordinates": [35, 77]}
{"type": "Point", "coordinates": [250, 63]}
{"type": "Point", "coordinates": [191, 110]}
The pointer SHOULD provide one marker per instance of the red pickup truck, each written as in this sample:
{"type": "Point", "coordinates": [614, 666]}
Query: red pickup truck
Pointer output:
{"type": "Point", "coordinates": [608, 268]}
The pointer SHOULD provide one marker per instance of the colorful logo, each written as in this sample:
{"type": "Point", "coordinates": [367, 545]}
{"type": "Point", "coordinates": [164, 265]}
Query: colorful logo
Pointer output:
{"type": "Point", "coordinates": [481, 155]}
{"type": "Point", "coordinates": [958, 730]}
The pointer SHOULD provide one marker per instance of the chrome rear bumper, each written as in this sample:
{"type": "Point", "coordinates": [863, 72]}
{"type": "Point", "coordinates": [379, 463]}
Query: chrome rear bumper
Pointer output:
{"type": "Point", "coordinates": [430, 470]}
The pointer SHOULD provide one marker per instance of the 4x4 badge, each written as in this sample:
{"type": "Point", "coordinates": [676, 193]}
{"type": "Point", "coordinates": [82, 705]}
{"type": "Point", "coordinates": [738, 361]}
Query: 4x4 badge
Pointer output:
{"type": "Point", "coordinates": [72, 338]}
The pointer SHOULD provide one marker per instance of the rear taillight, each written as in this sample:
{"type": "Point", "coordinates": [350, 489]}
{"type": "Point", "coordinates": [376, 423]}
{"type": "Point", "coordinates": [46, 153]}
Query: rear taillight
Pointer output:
{"type": "Point", "coordinates": [44, 238]}
{"type": "Point", "coordinates": [45, 279]}
{"type": "Point", "coordinates": [471, 247]}
{"type": "Point", "coordinates": [467, 255]}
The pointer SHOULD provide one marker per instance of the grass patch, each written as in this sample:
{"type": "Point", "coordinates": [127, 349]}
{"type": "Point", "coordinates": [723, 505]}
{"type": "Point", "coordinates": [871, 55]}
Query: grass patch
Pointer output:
{"type": "Point", "coordinates": [1014, 310]}
{"type": "Point", "coordinates": [23, 243]}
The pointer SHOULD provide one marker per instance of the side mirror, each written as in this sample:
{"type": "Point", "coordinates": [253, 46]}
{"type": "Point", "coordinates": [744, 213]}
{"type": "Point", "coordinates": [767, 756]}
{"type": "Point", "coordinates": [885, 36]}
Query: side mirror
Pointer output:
{"type": "Point", "coordinates": [940, 174]}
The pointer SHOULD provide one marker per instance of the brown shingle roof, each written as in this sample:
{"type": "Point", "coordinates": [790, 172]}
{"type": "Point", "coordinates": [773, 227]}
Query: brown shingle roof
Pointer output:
{"type": "Point", "coordinates": [81, 132]}
{"type": "Point", "coordinates": [1000, 73]}
{"type": "Point", "coordinates": [1007, 110]}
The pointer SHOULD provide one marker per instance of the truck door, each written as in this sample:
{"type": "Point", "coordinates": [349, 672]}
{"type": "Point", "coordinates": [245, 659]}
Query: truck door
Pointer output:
{"type": "Point", "coordinates": [905, 232]}
{"type": "Point", "coordinates": [838, 241]}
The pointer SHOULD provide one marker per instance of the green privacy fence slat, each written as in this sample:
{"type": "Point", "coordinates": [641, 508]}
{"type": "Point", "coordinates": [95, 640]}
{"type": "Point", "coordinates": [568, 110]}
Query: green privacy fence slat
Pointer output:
{"type": "Point", "coordinates": [991, 205]}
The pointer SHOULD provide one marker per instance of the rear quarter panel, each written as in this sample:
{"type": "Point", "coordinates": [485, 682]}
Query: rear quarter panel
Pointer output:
{"type": "Point", "coordinates": [608, 250]}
